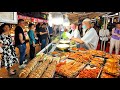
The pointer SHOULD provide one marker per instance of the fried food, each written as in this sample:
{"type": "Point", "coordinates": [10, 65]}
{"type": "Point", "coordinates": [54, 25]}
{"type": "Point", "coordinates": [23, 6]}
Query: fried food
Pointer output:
{"type": "Point", "coordinates": [54, 52]}
{"type": "Point", "coordinates": [69, 69]}
{"type": "Point", "coordinates": [112, 68]}
{"type": "Point", "coordinates": [96, 62]}
{"type": "Point", "coordinates": [104, 75]}
{"type": "Point", "coordinates": [89, 73]}
{"type": "Point", "coordinates": [108, 56]}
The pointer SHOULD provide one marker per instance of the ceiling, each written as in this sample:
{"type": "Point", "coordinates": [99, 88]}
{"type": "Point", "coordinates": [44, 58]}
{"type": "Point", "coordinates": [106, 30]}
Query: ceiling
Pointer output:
{"type": "Point", "coordinates": [73, 16]}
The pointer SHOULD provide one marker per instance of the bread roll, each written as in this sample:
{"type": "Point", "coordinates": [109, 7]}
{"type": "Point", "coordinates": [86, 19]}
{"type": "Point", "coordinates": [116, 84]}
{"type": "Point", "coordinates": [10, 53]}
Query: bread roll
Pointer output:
{"type": "Point", "coordinates": [49, 73]}
{"type": "Point", "coordinates": [30, 66]}
{"type": "Point", "coordinates": [39, 70]}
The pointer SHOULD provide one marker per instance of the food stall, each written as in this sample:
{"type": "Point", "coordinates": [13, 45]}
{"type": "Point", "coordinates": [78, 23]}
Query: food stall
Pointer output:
{"type": "Point", "coordinates": [61, 59]}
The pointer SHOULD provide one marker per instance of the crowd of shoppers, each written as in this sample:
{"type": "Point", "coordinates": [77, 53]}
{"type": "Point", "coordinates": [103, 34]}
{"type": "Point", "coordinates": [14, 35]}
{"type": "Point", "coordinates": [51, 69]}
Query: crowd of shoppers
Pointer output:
{"type": "Point", "coordinates": [7, 48]}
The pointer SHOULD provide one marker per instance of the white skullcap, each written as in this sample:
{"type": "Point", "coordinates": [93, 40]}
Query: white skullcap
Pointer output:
{"type": "Point", "coordinates": [87, 20]}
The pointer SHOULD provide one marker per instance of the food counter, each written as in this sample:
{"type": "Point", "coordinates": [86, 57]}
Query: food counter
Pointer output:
{"type": "Point", "coordinates": [67, 61]}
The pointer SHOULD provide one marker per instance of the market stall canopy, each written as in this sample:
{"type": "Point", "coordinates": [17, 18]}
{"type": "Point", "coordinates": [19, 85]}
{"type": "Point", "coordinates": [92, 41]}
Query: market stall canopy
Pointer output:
{"type": "Point", "coordinates": [74, 16]}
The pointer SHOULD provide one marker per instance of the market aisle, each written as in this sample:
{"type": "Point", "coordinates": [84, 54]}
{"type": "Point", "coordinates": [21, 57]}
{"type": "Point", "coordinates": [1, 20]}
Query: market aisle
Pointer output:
{"type": "Point", "coordinates": [3, 71]}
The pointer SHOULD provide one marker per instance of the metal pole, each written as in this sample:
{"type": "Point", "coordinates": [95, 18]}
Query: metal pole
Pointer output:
{"type": "Point", "coordinates": [102, 36]}
{"type": "Point", "coordinates": [105, 35]}
{"type": "Point", "coordinates": [105, 32]}
{"type": "Point", "coordinates": [119, 17]}
{"type": "Point", "coordinates": [112, 19]}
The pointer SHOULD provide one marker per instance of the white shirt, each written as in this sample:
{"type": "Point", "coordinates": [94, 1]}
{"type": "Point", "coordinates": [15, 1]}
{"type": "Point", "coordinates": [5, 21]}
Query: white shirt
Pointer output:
{"type": "Point", "coordinates": [104, 34]}
{"type": "Point", "coordinates": [91, 39]}
{"type": "Point", "coordinates": [75, 33]}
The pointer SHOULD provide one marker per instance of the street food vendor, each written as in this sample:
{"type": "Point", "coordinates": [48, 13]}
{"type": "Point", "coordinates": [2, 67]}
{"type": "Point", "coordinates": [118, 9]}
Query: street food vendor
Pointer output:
{"type": "Point", "coordinates": [75, 32]}
{"type": "Point", "coordinates": [90, 38]}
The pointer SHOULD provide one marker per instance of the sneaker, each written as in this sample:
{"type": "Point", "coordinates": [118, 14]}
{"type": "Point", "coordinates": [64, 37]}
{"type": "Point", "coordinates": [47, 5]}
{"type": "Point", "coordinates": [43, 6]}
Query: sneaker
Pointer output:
{"type": "Point", "coordinates": [22, 66]}
{"type": "Point", "coordinates": [25, 61]}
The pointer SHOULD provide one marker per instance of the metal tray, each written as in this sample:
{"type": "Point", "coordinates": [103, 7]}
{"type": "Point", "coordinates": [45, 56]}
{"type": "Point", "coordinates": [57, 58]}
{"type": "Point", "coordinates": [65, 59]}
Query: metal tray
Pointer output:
{"type": "Point", "coordinates": [75, 74]}
{"type": "Point", "coordinates": [98, 73]}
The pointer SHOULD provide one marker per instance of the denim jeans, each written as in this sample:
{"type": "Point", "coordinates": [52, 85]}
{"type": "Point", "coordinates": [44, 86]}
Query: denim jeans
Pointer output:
{"type": "Point", "coordinates": [43, 43]}
{"type": "Point", "coordinates": [22, 49]}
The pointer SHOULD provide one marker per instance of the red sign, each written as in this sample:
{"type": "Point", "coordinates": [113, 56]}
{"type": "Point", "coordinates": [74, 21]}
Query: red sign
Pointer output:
{"type": "Point", "coordinates": [28, 18]}
{"type": "Point", "coordinates": [31, 19]}
{"type": "Point", "coordinates": [40, 20]}
{"type": "Point", "coordinates": [21, 17]}
{"type": "Point", "coordinates": [45, 21]}
{"type": "Point", "coordinates": [34, 19]}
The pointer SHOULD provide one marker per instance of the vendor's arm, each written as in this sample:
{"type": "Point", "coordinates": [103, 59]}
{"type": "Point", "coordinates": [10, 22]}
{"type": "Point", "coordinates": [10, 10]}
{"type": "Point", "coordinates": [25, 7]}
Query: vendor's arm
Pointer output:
{"type": "Point", "coordinates": [87, 38]}
{"type": "Point", "coordinates": [77, 40]}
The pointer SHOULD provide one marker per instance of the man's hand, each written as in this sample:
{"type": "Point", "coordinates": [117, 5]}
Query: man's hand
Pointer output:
{"type": "Point", "coordinates": [118, 35]}
{"type": "Point", "coordinates": [0, 56]}
{"type": "Point", "coordinates": [21, 38]}
{"type": "Point", "coordinates": [34, 44]}
{"type": "Point", "coordinates": [40, 44]}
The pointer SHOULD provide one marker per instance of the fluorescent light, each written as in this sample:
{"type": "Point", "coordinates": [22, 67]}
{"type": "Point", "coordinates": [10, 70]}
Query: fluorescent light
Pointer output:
{"type": "Point", "coordinates": [66, 22]}
{"type": "Point", "coordinates": [55, 18]}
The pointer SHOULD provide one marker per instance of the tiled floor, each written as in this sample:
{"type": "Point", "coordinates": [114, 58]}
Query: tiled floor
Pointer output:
{"type": "Point", "coordinates": [3, 71]}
